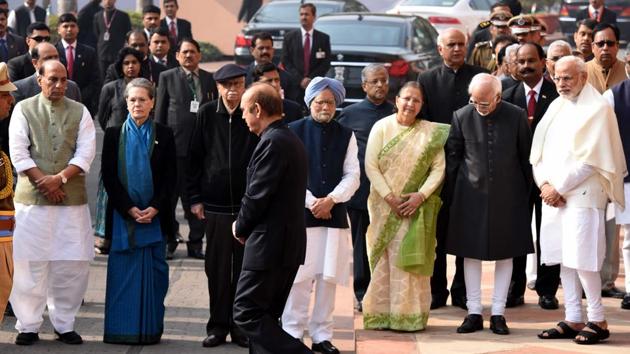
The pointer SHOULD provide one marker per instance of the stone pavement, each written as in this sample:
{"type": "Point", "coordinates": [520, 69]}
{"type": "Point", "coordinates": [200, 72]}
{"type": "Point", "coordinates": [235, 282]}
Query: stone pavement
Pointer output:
{"type": "Point", "coordinates": [524, 322]}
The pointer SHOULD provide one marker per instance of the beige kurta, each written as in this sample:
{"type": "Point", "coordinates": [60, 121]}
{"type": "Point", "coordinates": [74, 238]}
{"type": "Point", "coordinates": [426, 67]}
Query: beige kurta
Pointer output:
{"type": "Point", "coordinates": [602, 82]}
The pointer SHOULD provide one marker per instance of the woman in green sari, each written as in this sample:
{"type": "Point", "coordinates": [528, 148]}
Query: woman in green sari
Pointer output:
{"type": "Point", "coordinates": [404, 161]}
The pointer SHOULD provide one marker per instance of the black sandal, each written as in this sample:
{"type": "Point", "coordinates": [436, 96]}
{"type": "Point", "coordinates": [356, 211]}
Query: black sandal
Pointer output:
{"type": "Point", "coordinates": [592, 337]}
{"type": "Point", "coordinates": [553, 333]}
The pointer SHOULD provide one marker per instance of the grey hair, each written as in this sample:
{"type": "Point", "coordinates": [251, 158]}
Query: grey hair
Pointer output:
{"type": "Point", "coordinates": [511, 49]}
{"type": "Point", "coordinates": [372, 68]}
{"type": "Point", "coordinates": [485, 79]}
{"type": "Point", "coordinates": [576, 61]}
{"type": "Point", "coordinates": [440, 37]}
{"type": "Point", "coordinates": [559, 43]}
{"type": "Point", "coordinates": [140, 82]}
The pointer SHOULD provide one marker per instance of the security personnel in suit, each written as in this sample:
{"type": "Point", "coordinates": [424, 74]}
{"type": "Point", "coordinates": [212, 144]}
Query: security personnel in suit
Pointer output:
{"type": "Point", "coordinates": [24, 15]}
{"type": "Point", "coordinates": [534, 94]}
{"type": "Point", "coordinates": [11, 45]}
{"type": "Point", "coordinates": [306, 43]}
{"type": "Point", "coordinates": [80, 60]}
{"type": "Point", "coordinates": [20, 67]}
{"type": "Point", "coordinates": [160, 49]}
{"type": "Point", "coordinates": [110, 27]}
{"type": "Point", "coordinates": [178, 28]}
{"type": "Point", "coordinates": [598, 12]}
{"type": "Point", "coordinates": [220, 148]}
{"type": "Point", "coordinates": [270, 224]}
{"type": "Point", "coordinates": [483, 53]}
{"type": "Point", "coordinates": [183, 90]}
{"type": "Point", "coordinates": [150, 69]}
{"type": "Point", "coordinates": [86, 18]}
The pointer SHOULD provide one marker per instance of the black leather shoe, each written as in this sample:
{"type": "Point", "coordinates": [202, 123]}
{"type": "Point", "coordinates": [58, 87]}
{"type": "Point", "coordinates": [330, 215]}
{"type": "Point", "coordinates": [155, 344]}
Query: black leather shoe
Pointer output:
{"type": "Point", "coordinates": [471, 324]}
{"type": "Point", "coordinates": [613, 292]}
{"type": "Point", "coordinates": [212, 340]}
{"type": "Point", "coordinates": [548, 302]}
{"type": "Point", "coordinates": [169, 255]}
{"type": "Point", "coordinates": [498, 325]}
{"type": "Point", "coordinates": [459, 301]}
{"type": "Point", "coordinates": [437, 302]}
{"type": "Point", "coordinates": [26, 338]}
{"type": "Point", "coordinates": [239, 339]}
{"type": "Point", "coordinates": [514, 301]}
{"type": "Point", "coordinates": [71, 337]}
{"type": "Point", "coordinates": [360, 306]}
{"type": "Point", "coordinates": [325, 347]}
{"type": "Point", "coordinates": [197, 254]}
{"type": "Point", "coordinates": [625, 303]}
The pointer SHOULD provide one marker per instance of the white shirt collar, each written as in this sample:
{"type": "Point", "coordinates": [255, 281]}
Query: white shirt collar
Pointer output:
{"type": "Point", "coordinates": [592, 9]}
{"type": "Point", "coordinates": [535, 88]}
{"type": "Point", "coordinates": [305, 31]}
{"type": "Point", "coordinates": [169, 20]}
{"type": "Point", "coordinates": [66, 44]}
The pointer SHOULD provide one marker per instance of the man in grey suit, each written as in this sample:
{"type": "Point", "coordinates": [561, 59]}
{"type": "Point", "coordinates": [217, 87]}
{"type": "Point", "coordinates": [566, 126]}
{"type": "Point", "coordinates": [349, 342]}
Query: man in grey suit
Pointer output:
{"type": "Point", "coordinates": [28, 87]}
{"type": "Point", "coordinates": [181, 92]}
{"type": "Point", "coordinates": [11, 45]}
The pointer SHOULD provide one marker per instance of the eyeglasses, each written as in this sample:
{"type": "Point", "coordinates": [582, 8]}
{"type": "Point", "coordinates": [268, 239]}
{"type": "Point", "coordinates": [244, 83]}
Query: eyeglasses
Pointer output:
{"type": "Point", "coordinates": [481, 105]}
{"type": "Point", "coordinates": [600, 44]}
{"type": "Point", "coordinates": [41, 38]}
{"type": "Point", "coordinates": [377, 81]}
{"type": "Point", "coordinates": [559, 79]}
{"type": "Point", "coordinates": [324, 102]}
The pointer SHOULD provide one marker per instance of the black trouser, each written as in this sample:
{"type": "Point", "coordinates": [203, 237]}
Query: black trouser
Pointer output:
{"type": "Point", "coordinates": [224, 257]}
{"type": "Point", "coordinates": [359, 221]}
{"type": "Point", "coordinates": [260, 299]}
{"type": "Point", "coordinates": [548, 277]}
{"type": "Point", "coordinates": [439, 283]}
{"type": "Point", "coordinates": [197, 227]}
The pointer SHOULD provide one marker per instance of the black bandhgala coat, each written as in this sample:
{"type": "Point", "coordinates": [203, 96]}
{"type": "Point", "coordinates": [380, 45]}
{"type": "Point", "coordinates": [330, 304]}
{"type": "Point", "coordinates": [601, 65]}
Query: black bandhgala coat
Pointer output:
{"type": "Point", "coordinates": [488, 183]}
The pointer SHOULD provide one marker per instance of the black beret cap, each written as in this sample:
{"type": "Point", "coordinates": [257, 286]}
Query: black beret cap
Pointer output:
{"type": "Point", "coordinates": [229, 71]}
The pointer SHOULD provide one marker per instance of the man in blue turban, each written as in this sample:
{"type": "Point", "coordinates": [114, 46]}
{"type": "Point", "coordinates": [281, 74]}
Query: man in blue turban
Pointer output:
{"type": "Point", "coordinates": [333, 177]}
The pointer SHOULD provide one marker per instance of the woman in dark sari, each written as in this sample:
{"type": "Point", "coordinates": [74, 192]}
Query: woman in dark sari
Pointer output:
{"type": "Point", "coordinates": [139, 174]}
{"type": "Point", "coordinates": [112, 111]}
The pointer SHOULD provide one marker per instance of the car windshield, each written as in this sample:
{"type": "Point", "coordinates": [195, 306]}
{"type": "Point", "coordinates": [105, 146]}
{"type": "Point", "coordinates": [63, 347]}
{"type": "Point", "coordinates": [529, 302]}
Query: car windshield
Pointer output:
{"type": "Point", "coordinates": [444, 3]}
{"type": "Point", "coordinates": [363, 33]}
{"type": "Point", "coordinates": [289, 12]}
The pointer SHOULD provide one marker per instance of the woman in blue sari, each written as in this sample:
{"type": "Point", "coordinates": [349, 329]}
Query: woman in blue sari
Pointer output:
{"type": "Point", "coordinates": [138, 168]}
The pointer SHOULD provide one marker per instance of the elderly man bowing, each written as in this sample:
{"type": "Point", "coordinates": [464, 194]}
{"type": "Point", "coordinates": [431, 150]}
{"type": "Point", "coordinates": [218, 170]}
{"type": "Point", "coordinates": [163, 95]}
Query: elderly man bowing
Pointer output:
{"type": "Point", "coordinates": [578, 165]}
{"type": "Point", "coordinates": [52, 144]}
{"type": "Point", "coordinates": [333, 177]}
{"type": "Point", "coordinates": [488, 185]}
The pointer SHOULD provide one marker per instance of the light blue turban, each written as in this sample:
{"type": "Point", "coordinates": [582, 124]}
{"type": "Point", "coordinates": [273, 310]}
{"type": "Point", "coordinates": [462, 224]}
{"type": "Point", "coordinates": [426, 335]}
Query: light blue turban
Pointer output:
{"type": "Point", "coordinates": [319, 84]}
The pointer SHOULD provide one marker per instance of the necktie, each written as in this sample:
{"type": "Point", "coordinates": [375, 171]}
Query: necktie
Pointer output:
{"type": "Point", "coordinates": [173, 30]}
{"type": "Point", "coordinates": [163, 62]}
{"type": "Point", "coordinates": [531, 104]}
{"type": "Point", "coordinates": [4, 51]}
{"type": "Point", "coordinates": [196, 89]}
{"type": "Point", "coordinates": [595, 13]}
{"type": "Point", "coordinates": [70, 61]}
{"type": "Point", "coordinates": [307, 53]}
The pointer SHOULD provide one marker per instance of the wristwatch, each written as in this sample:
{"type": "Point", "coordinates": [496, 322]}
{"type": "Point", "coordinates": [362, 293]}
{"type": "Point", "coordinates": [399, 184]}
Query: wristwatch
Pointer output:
{"type": "Point", "coordinates": [64, 180]}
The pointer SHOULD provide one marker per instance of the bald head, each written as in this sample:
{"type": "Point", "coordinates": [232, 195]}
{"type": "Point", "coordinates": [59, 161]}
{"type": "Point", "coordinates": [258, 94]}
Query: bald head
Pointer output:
{"type": "Point", "coordinates": [43, 52]}
{"type": "Point", "coordinates": [452, 47]}
{"type": "Point", "coordinates": [53, 80]}
{"type": "Point", "coordinates": [261, 105]}
{"type": "Point", "coordinates": [485, 93]}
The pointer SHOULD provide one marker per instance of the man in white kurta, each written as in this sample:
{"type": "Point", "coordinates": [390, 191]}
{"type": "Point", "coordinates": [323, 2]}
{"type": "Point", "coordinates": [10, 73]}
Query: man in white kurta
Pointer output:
{"type": "Point", "coordinates": [333, 178]}
{"type": "Point", "coordinates": [52, 144]}
{"type": "Point", "coordinates": [578, 165]}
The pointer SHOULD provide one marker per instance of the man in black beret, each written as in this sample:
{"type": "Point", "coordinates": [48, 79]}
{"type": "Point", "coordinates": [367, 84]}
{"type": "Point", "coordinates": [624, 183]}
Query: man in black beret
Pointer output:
{"type": "Point", "coordinates": [220, 148]}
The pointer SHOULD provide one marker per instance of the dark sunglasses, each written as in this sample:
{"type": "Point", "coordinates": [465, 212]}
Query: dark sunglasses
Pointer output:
{"type": "Point", "coordinates": [41, 38]}
{"type": "Point", "coordinates": [601, 44]}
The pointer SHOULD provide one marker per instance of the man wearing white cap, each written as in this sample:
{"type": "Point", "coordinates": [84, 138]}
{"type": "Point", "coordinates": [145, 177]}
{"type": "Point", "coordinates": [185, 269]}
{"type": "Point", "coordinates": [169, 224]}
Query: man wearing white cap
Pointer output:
{"type": "Point", "coordinates": [331, 182]}
{"type": "Point", "coordinates": [7, 210]}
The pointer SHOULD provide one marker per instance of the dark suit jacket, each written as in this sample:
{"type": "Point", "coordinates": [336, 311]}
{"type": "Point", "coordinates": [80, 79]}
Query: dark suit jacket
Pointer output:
{"type": "Point", "coordinates": [290, 85]}
{"type": "Point", "coordinates": [293, 54]}
{"type": "Point", "coordinates": [23, 18]}
{"type": "Point", "coordinates": [86, 23]}
{"type": "Point", "coordinates": [120, 24]}
{"type": "Point", "coordinates": [272, 209]}
{"type": "Point", "coordinates": [84, 73]}
{"type": "Point", "coordinates": [16, 45]}
{"type": "Point", "coordinates": [171, 61]}
{"type": "Point", "coordinates": [172, 103]}
{"type": "Point", "coordinates": [20, 67]}
{"type": "Point", "coordinates": [112, 108]}
{"type": "Point", "coordinates": [28, 87]}
{"type": "Point", "coordinates": [608, 16]}
{"type": "Point", "coordinates": [163, 168]}
{"type": "Point", "coordinates": [184, 30]}
{"type": "Point", "coordinates": [516, 96]}
{"type": "Point", "coordinates": [149, 70]}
